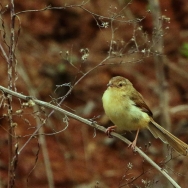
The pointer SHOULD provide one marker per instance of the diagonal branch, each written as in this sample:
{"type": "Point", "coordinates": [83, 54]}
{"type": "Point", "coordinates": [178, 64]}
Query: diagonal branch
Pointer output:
{"type": "Point", "coordinates": [87, 122]}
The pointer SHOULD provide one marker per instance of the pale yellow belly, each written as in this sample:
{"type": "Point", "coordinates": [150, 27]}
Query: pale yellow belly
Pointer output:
{"type": "Point", "coordinates": [128, 120]}
{"type": "Point", "coordinates": [125, 115]}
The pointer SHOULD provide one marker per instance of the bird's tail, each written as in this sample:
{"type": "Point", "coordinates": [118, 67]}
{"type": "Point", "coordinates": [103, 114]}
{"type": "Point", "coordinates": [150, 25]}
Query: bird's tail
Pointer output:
{"type": "Point", "coordinates": [168, 138]}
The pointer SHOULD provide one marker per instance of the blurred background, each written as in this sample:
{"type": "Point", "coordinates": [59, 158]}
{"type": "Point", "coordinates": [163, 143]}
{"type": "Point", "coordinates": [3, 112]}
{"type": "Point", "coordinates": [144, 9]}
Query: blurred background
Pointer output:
{"type": "Point", "coordinates": [55, 49]}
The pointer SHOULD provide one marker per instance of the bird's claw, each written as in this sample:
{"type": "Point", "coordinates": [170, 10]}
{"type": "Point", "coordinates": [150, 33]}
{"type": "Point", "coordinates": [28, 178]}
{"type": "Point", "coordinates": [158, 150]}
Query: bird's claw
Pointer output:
{"type": "Point", "coordinates": [109, 130]}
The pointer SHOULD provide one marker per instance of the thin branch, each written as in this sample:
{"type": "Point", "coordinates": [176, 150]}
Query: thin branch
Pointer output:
{"type": "Point", "coordinates": [39, 10]}
{"type": "Point", "coordinates": [12, 166]}
{"type": "Point", "coordinates": [87, 122]}
{"type": "Point", "coordinates": [49, 7]}
{"type": "Point", "coordinates": [4, 53]}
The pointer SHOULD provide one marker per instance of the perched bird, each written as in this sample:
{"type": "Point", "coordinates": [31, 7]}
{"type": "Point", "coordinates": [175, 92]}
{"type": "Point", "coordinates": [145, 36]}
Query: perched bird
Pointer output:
{"type": "Point", "coordinates": [126, 108]}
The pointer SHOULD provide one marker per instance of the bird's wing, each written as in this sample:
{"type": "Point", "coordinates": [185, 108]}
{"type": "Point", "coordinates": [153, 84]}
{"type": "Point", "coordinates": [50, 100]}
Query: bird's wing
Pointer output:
{"type": "Point", "coordinates": [139, 102]}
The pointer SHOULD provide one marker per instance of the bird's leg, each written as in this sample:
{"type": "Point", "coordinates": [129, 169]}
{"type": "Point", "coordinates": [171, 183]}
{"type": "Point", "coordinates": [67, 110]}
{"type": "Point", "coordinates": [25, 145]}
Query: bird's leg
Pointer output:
{"type": "Point", "coordinates": [109, 130]}
{"type": "Point", "coordinates": [133, 144]}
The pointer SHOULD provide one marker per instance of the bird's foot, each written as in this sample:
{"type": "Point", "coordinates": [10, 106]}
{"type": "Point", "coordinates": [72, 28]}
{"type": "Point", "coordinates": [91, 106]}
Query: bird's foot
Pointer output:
{"type": "Point", "coordinates": [109, 130]}
{"type": "Point", "coordinates": [132, 145]}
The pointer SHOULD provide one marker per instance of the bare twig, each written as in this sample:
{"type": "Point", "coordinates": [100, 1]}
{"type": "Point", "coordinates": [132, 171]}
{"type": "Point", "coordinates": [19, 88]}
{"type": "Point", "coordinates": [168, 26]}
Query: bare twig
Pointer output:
{"type": "Point", "coordinates": [4, 53]}
{"type": "Point", "coordinates": [10, 62]}
{"type": "Point", "coordinates": [85, 9]}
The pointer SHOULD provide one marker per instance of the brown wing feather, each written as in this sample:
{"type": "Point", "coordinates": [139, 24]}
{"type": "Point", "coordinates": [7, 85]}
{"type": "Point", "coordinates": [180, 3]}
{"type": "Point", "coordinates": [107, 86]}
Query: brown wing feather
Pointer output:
{"type": "Point", "coordinates": [139, 102]}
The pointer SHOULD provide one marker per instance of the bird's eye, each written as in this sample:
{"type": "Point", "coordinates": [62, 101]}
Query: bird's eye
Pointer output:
{"type": "Point", "coordinates": [120, 84]}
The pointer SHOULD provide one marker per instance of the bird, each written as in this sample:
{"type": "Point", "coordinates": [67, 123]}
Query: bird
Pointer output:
{"type": "Point", "coordinates": [126, 108]}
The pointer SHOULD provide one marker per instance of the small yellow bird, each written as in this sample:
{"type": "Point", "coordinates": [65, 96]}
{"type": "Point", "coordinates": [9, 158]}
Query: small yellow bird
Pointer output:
{"type": "Point", "coordinates": [126, 108]}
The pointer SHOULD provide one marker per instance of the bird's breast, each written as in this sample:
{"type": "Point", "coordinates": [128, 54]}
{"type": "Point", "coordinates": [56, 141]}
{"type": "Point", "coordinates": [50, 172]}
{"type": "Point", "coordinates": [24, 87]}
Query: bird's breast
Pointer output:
{"type": "Point", "coordinates": [123, 112]}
